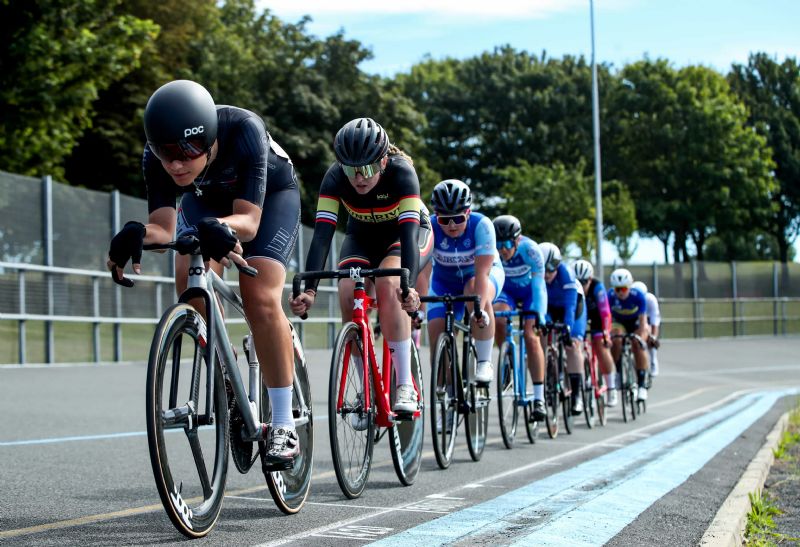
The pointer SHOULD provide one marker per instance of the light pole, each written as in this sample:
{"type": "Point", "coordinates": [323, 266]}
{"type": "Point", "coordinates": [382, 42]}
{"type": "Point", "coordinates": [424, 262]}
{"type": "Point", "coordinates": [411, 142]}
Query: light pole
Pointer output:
{"type": "Point", "coordinates": [598, 193]}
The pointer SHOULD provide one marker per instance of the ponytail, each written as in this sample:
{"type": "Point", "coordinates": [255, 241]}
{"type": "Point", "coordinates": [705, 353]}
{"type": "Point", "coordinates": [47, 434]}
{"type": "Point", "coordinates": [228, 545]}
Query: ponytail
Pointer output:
{"type": "Point", "coordinates": [395, 151]}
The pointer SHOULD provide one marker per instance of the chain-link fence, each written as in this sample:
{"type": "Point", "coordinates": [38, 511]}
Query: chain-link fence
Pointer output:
{"type": "Point", "coordinates": [57, 302]}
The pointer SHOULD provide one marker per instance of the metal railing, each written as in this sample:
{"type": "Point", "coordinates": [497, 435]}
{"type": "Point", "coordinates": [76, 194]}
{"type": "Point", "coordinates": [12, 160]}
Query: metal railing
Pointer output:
{"type": "Point", "coordinates": [103, 290]}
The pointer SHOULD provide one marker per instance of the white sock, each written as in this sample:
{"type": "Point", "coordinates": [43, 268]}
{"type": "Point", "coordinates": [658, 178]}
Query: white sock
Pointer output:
{"type": "Point", "coordinates": [538, 392]}
{"type": "Point", "coordinates": [610, 380]}
{"type": "Point", "coordinates": [484, 348]}
{"type": "Point", "coordinates": [280, 401]}
{"type": "Point", "coordinates": [401, 358]}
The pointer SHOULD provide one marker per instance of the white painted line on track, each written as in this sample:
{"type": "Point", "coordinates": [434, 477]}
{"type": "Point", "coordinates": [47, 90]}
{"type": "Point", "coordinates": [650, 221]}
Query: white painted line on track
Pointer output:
{"type": "Point", "coordinates": [551, 460]}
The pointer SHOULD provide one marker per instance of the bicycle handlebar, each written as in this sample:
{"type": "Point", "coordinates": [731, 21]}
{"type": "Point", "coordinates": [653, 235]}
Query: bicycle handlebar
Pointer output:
{"type": "Point", "coordinates": [448, 299]}
{"type": "Point", "coordinates": [351, 273]}
{"type": "Point", "coordinates": [190, 245]}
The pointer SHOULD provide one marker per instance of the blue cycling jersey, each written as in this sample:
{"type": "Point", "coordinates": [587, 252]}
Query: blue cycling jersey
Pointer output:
{"type": "Point", "coordinates": [562, 293]}
{"type": "Point", "coordinates": [525, 275]}
{"type": "Point", "coordinates": [628, 310]}
{"type": "Point", "coordinates": [454, 258]}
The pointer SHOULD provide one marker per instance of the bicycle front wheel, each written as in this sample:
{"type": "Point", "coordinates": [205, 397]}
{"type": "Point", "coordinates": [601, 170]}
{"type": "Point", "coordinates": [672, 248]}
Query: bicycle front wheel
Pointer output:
{"type": "Point", "coordinates": [587, 394]}
{"type": "Point", "coordinates": [507, 408]}
{"type": "Point", "coordinates": [407, 437]}
{"type": "Point", "coordinates": [477, 421]}
{"type": "Point", "coordinates": [351, 423]}
{"type": "Point", "coordinates": [444, 424]}
{"type": "Point", "coordinates": [551, 395]}
{"type": "Point", "coordinates": [189, 405]}
{"type": "Point", "coordinates": [289, 488]}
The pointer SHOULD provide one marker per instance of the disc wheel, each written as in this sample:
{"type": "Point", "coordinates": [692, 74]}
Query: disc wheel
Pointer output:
{"type": "Point", "coordinates": [406, 438]}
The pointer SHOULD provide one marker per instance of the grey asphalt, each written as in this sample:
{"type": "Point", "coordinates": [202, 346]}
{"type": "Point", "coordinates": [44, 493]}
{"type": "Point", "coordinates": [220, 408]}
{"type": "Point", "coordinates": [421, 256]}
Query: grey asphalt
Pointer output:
{"type": "Point", "coordinates": [100, 491]}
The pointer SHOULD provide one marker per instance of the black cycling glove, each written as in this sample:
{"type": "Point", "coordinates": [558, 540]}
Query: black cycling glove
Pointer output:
{"type": "Point", "coordinates": [127, 244]}
{"type": "Point", "coordinates": [216, 239]}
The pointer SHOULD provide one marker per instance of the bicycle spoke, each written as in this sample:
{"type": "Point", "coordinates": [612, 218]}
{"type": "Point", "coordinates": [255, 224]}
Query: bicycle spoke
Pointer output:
{"type": "Point", "coordinates": [197, 454]}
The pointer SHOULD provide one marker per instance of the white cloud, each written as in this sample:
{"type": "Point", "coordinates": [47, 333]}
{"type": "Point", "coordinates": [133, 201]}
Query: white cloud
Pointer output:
{"type": "Point", "coordinates": [499, 8]}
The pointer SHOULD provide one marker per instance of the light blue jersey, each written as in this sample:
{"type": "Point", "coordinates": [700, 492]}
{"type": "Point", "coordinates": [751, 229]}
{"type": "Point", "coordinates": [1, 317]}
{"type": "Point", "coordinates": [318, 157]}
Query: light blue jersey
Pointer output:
{"type": "Point", "coordinates": [524, 284]}
{"type": "Point", "coordinates": [455, 257]}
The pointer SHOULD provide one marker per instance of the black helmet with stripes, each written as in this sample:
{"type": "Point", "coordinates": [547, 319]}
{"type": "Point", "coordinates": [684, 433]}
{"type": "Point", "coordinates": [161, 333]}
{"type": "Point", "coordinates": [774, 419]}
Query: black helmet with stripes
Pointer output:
{"type": "Point", "coordinates": [451, 197]}
{"type": "Point", "coordinates": [360, 142]}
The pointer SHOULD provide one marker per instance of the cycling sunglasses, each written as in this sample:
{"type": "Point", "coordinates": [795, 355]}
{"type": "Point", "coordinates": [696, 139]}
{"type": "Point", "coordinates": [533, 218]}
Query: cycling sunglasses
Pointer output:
{"type": "Point", "coordinates": [622, 290]}
{"type": "Point", "coordinates": [455, 219]}
{"type": "Point", "coordinates": [366, 171]}
{"type": "Point", "coordinates": [507, 244]}
{"type": "Point", "coordinates": [183, 150]}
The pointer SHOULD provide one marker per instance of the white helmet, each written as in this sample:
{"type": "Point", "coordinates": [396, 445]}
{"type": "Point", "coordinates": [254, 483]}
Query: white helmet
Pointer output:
{"type": "Point", "coordinates": [583, 270]}
{"type": "Point", "coordinates": [640, 286]}
{"type": "Point", "coordinates": [621, 278]}
{"type": "Point", "coordinates": [552, 256]}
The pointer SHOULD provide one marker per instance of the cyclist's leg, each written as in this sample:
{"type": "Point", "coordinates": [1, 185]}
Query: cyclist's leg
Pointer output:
{"type": "Point", "coordinates": [269, 252]}
{"type": "Point", "coordinates": [575, 361]}
{"type": "Point", "coordinates": [504, 303]}
{"type": "Point", "coordinates": [484, 336]}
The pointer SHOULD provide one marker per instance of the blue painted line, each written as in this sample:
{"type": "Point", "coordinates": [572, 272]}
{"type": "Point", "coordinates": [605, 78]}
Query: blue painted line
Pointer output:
{"type": "Point", "coordinates": [56, 440]}
{"type": "Point", "coordinates": [592, 502]}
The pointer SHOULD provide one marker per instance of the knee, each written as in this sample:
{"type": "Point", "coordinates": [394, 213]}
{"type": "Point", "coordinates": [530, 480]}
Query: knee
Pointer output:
{"type": "Point", "coordinates": [264, 305]}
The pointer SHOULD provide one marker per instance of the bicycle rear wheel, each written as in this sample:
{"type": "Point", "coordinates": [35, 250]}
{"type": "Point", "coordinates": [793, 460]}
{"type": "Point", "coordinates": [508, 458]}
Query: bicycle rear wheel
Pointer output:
{"type": "Point", "coordinates": [477, 421]}
{"type": "Point", "coordinates": [289, 488]}
{"type": "Point", "coordinates": [407, 437]}
{"type": "Point", "coordinates": [507, 408]}
{"type": "Point", "coordinates": [190, 490]}
{"type": "Point", "coordinates": [587, 394]}
{"type": "Point", "coordinates": [566, 400]}
{"type": "Point", "coordinates": [631, 393]}
{"type": "Point", "coordinates": [351, 425]}
{"type": "Point", "coordinates": [600, 399]}
{"type": "Point", "coordinates": [551, 395]}
{"type": "Point", "coordinates": [444, 424]}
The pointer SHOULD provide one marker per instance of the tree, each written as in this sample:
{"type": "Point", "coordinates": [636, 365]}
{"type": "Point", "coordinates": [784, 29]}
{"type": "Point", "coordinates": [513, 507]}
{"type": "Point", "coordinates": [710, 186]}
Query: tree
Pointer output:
{"type": "Point", "coordinates": [619, 218]}
{"type": "Point", "coordinates": [55, 57]}
{"type": "Point", "coordinates": [681, 144]}
{"type": "Point", "coordinates": [771, 92]}
{"type": "Point", "coordinates": [488, 112]}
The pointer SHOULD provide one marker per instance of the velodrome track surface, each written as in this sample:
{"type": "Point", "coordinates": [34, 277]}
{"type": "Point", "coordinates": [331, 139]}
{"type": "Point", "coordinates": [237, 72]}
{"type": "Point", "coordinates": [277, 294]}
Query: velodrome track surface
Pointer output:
{"type": "Point", "coordinates": [74, 465]}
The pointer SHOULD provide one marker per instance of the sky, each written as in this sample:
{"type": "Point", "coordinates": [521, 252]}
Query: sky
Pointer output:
{"type": "Point", "coordinates": [713, 33]}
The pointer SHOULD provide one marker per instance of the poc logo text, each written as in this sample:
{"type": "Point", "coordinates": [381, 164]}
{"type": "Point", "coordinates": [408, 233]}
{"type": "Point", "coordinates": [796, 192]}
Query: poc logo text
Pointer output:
{"type": "Point", "coordinates": [189, 131]}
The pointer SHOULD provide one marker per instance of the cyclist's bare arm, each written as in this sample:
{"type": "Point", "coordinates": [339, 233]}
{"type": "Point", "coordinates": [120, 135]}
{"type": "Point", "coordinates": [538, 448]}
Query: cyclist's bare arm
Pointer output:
{"type": "Point", "coordinates": [245, 219]}
{"type": "Point", "coordinates": [160, 226]}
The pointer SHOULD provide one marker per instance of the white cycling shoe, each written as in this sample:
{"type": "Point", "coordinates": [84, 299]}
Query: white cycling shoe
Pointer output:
{"type": "Point", "coordinates": [484, 372]}
{"type": "Point", "coordinates": [641, 395]}
{"type": "Point", "coordinates": [612, 398]}
{"type": "Point", "coordinates": [405, 399]}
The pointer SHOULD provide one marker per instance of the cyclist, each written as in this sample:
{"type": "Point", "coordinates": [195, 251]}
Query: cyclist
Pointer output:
{"type": "Point", "coordinates": [654, 322]}
{"type": "Point", "coordinates": [599, 316]}
{"type": "Point", "coordinates": [629, 313]}
{"type": "Point", "coordinates": [219, 158]}
{"type": "Point", "coordinates": [565, 304]}
{"type": "Point", "coordinates": [524, 287]}
{"type": "Point", "coordinates": [465, 261]}
{"type": "Point", "coordinates": [388, 228]}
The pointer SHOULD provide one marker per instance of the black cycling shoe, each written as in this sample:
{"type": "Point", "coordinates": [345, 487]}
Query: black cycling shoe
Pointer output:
{"type": "Point", "coordinates": [539, 412]}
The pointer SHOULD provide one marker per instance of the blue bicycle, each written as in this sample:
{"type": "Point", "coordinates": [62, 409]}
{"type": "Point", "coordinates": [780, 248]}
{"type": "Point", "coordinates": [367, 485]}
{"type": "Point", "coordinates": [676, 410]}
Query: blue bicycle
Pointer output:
{"type": "Point", "coordinates": [512, 380]}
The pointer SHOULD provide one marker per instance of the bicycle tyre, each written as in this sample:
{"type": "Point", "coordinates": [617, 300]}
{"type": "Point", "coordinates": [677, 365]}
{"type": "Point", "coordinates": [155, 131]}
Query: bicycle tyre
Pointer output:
{"type": "Point", "coordinates": [289, 488]}
{"type": "Point", "coordinates": [477, 421]}
{"type": "Point", "coordinates": [587, 394]}
{"type": "Point", "coordinates": [566, 400]}
{"type": "Point", "coordinates": [551, 395]}
{"type": "Point", "coordinates": [600, 399]}
{"type": "Point", "coordinates": [406, 438]}
{"type": "Point", "coordinates": [197, 520]}
{"type": "Point", "coordinates": [351, 474]}
{"type": "Point", "coordinates": [632, 385]}
{"type": "Point", "coordinates": [507, 409]}
{"type": "Point", "coordinates": [443, 402]}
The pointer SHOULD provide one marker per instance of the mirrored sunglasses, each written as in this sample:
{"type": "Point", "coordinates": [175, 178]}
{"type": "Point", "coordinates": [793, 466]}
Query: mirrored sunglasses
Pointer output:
{"type": "Point", "coordinates": [622, 290]}
{"type": "Point", "coordinates": [455, 219]}
{"type": "Point", "coordinates": [507, 244]}
{"type": "Point", "coordinates": [366, 171]}
{"type": "Point", "coordinates": [183, 150]}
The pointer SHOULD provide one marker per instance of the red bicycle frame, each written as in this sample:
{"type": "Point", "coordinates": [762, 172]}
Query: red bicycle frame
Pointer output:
{"type": "Point", "coordinates": [589, 349]}
{"type": "Point", "coordinates": [362, 303]}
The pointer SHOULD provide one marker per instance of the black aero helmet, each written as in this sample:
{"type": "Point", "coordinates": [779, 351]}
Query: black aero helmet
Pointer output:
{"type": "Point", "coordinates": [451, 197]}
{"type": "Point", "coordinates": [506, 227]}
{"type": "Point", "coordinates": [360, 142]}
{"type": "Point", "coordinates": [180, 117]}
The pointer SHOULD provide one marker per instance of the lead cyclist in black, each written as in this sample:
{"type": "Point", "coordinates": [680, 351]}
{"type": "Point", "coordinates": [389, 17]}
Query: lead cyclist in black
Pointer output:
{"type": "Point", "coordinates": [221, 158]}
{"type": "Point", "coordinates": [388, 228]}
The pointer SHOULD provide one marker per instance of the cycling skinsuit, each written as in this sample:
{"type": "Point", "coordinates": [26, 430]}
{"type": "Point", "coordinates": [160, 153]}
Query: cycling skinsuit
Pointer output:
{"type": "Point", "coordinates": [653, 311]}
{"type": "Point", "coordinates": [454, 261]}
{"type": "Point", "coordinates": [249, 165]}
{"type": "Point", "coordinates": [563, 302]}
{"type": "Point", "coordinates": [389, 220]}
{"type": "Point", "coordinates": [597, 308]}
{"type": "Point", "coordinates": [524, 285]}
{"type": "Point", "coordinates": [626, 312]}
